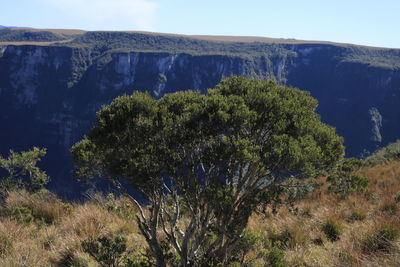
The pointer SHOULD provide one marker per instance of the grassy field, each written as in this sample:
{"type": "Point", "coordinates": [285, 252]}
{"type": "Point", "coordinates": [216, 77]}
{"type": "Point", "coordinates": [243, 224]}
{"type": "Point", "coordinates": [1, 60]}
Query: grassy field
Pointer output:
{"type": "Point", "coordinates": [323, 229]}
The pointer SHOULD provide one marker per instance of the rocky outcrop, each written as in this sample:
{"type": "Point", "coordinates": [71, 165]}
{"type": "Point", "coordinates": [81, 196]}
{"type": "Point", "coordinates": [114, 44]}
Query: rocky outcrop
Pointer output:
{"type": "Point", "coordinates": [49, 94]}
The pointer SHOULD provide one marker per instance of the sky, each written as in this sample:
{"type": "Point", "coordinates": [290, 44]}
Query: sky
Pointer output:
{"type": "Point", "coordinates": [365, 22]}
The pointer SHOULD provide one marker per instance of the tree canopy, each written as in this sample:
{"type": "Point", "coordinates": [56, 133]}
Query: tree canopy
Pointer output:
{"type": "Point", "coordinates": [212, 159]}
{"type": "Point", "coordinates": [20, 171]}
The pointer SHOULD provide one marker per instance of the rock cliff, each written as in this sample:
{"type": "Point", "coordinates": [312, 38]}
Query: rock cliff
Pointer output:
{"type": "Point", "coordinates": [49, 94]}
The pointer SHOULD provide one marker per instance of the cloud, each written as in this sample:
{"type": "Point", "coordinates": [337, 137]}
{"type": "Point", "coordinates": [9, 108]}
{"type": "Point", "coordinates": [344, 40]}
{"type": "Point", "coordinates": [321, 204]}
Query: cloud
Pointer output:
{"type": "Point", "coordinates": [107, 14]}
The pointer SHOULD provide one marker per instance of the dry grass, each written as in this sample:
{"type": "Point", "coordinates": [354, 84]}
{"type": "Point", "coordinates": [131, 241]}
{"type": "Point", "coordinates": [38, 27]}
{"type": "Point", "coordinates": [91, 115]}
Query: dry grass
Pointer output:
{"type": "Point", "coordinates": [369, 227]}
{"type": "Point", "coordinates": [46, 244]}
{"type": "Point", "coordinates": [368, 220]}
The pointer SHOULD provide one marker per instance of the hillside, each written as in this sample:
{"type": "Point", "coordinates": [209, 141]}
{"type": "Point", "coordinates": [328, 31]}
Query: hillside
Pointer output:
{"type": "Point", "coordinates": [52, 82]}
{"type": "Point", "coordinates": [192, 44]}
{"type": "Point", "coordinates": [319, 229]}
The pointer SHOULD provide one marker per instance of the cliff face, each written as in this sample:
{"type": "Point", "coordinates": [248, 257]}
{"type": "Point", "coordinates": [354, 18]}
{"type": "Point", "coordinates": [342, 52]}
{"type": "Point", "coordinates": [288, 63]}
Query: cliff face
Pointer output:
{"type": "Point", "coordinates": [49, 94]}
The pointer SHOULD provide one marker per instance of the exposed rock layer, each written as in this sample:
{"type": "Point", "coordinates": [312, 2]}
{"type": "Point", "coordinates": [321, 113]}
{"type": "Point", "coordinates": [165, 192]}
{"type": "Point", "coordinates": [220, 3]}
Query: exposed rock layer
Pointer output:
{"type": "Point", "coordinates": [49, 94]}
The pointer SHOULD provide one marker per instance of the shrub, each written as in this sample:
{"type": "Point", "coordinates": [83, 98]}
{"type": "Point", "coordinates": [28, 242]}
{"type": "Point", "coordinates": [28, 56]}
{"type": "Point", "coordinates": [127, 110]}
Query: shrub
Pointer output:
{"type": "Point", "coordinates": [343, 184]}
{"type": "Point", "coordinates": [283, 239]}
{"type": "Point", "coordinates": [384, 155]}
{"type": "Point", "coordinates": [343, 181]}
{"type": "Point", "coordinates": [397, 197]}
{"type": "Point", "coordinates": [139, 261]}
{"type": "Point", "coordinates": [287, 238]}
{"type": "Point", "coordinates": [332, 229]}
{"type": "Point", "coordinates": [69, 259]}
{"type": "Point", "coordinates": [43, 206]}
{"type": "Point", "coordinates": [380, 239]}
{"type": "Point", "coordinates": [5, 245]}
{"type": "Point", "coordinates": [306, 212]}
{"type": "Point", "coordinates": [123, 206]}
{"type": "Point", "coordinates": [275, 258]}
{"type": "Point", "coordinates": [22, 214]}
{"type": "Point", "coordinates": [356, 216]}
{"type": "Point", "coordinates": [248, 242]}
{"type": "Point", "coordinates": [105, 250]}
{"type": "Point", "coordinates": [21, 168]}
{"type": "Point", "coordinates": [318, 241]}
{"type": "Point", "coordinates": [389, 207]}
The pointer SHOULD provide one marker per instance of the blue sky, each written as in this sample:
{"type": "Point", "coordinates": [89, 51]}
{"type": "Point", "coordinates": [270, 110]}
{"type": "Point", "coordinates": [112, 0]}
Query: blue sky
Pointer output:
{"type": "Point", "coordinates": [367, 22]}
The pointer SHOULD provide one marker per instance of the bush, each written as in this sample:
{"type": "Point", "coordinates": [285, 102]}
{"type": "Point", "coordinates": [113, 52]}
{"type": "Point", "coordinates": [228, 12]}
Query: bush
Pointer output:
{"type": "Point", "coordinates": [275, 258]}
{"type": "Point", "coordinates": [306, 212]}
{"type": "Point", "coordinates": [397, 197]}
{"type": "Point", "coordinates": [107, 251]}
{"type": "Point", "coordinates": [5, 245]}
{"type": "Point", "coordinates": [22, 214]}
{"type": "Point", "coordinates": [381, 239]}
{"type": "Point", "coordinates": [42, 206]}
{"type": "Point", "coordinates": [123, 206]}
{"type": "Point", "coordinates": [248, 242]}
{"type": "Point", "coordinates": [139, 261]}
{"type": "Point", "coordinates": [69, 259]}
{"type": "Point", "coordinates": [332, 229]}
{"type": "Point", "coordinates": [343, 181]}
{"type": "Point", "coordinates": [287, 238]}
{"type": "Point", "coordinates": [356, 216]}
{"type": "Point", "coordinates": [384, 155]}
{"type": "Point", "coordinates": [344, 184]}
{"type": "Point", "coordinates": [389, 207]}
{"type": "Point", "coordinates": [283, 239]}
{"type": "Point", "coordinates": [21, 169]}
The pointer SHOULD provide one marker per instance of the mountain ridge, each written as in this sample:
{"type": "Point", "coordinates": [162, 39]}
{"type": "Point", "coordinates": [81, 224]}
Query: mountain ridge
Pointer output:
{"type": "Point", "coordinates": [213, 38]}
{"type": "Point", "coordinates": [49, 93]}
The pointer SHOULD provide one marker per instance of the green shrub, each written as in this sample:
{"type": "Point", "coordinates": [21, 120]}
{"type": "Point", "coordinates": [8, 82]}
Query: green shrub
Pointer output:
{"type": "Point", "coordinates": [21, 167]}
{"type": "Point", "coordinates": [5, 245]}
{"type": "Point", "coordinates": [306, 212]}
{"type": "Point", "coordinates": [318, 241]}
{"type": "Point", "coordinates": [287, 238]}
{"type": "Point", "coordinates": [384, 155]}
{"type": "Point", "coordinates": [389, 207]}
{"type": "Point", "coordinates": [356, 216]}
{"type": "Point", "coordinates": [41, 207]}
{"type": "Point", "coordinates": [8, 185]}
{"type": "Point", "coordinates": [283, 239]}
{"type": "Point", "coordinates": [107, 251]}
{"type": "Point", "coordinates": [343, 184]}
{"type": "Point", "coordinates": [248, 242]}
{"type": "Point", "coordinates": [22, 214]}
{"type": "Point", "coordinates": [140, 260]}
{"type": "Point", "coordinates": [381, 239]}
{"type": "Point", "coordinates": [123, 206]}
{"type": "Point", "coordinates": [397, 197]}
{"type": "Point", "coordinates": [332, 229]}
{"type": "Point", "coordinates": [69, 259]}
{"type": "Point", "coordinates": [275, 257]}
{"type": "Point", "coordinates": [343, 181]}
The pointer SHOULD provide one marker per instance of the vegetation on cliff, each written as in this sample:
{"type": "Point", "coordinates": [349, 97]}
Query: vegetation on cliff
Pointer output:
{"type": "Point", "coordinates": [27, 35]}
{"type": "Point", "coordinates": [101, 42]}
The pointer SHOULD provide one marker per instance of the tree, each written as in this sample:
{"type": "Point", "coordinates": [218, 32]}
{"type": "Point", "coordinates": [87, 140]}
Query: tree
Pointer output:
{"type": "Point", "coordinates": [212, 159]}
{"type": "Point", "coordinates": [21, 170]}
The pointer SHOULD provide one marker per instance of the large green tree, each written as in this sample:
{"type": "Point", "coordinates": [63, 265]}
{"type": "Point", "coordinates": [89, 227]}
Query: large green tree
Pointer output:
{"type": "Point", "coordinates": [211, 159]}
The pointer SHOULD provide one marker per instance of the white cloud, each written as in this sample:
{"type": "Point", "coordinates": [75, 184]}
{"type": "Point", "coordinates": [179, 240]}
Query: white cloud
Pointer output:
{"type": "Point", "coordinates": [107, 14]}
